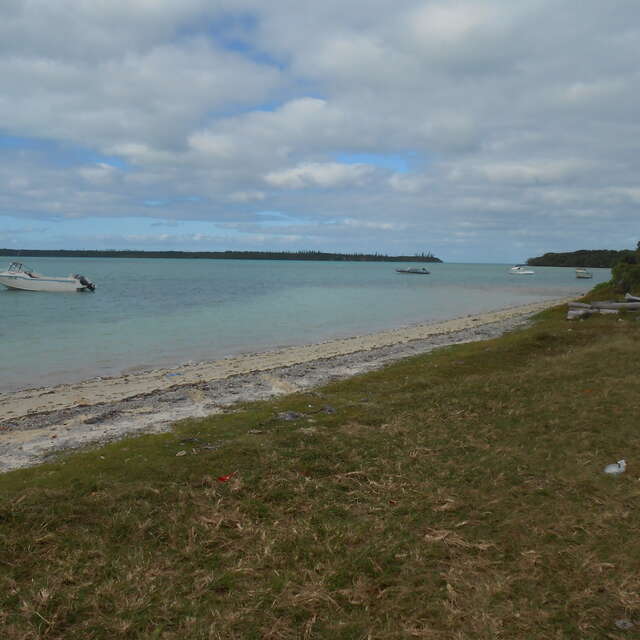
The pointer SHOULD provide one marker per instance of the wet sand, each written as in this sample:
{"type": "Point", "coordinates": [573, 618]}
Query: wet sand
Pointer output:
{"type": "Point", "coordinates": [36, 423]}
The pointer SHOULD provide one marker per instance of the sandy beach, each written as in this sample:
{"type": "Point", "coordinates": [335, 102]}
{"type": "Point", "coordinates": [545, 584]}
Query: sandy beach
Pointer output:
{"type": "Point", "coordinates": [38, 423]}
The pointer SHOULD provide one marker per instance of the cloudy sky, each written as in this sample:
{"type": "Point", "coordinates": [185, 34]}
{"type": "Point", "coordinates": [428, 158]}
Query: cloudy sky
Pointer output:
{"type": "Point", "coordinates": [482, 130]}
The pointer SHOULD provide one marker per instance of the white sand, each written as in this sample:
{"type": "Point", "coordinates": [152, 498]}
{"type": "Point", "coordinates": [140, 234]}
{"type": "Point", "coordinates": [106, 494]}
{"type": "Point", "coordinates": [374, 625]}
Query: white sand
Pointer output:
{"type": "Point", "coordinates": [37, 422]}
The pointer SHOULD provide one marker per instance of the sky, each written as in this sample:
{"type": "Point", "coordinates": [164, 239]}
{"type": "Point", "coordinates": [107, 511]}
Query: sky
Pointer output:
{"type": "Point", "coordinates": [480, 130]}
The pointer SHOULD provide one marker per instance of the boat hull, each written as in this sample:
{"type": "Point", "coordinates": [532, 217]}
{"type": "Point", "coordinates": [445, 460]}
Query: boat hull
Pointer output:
{"type": "Point", "coordinates": [22, 282]}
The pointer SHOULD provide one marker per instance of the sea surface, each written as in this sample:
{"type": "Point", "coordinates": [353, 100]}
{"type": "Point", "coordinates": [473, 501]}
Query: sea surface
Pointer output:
{"type": "Point", "coordinates": [149, 313]}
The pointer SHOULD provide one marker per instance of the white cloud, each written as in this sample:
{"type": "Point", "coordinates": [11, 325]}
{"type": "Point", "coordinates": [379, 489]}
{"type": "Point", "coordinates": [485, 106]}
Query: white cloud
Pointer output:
{"type": "Point", "coordinates": [99, 173]}
{"type": "Point", "coordinates": [451, 131]}
{"type": "Point", "coordinates": [324, 175]}
{"type": "Point", "coordinates": [247, 196]}
{"type": "Point", "coordinates": [408, 183]}
{"type": "Point", "coordinates": [365, 224]}
{"type": "Point", "coordinates": [309, 123]}
{"type": "Point", "coordinates": [585, 92]}
{"type": "Point", "coordinates": [544, 171]}
{"type": "Point", "coordinates": [217, 145]}
{"type": "Point", "coordinates": [633, 193]}
{"type": "Point", "coordinates": [151, 97]}
{"type": "Point", "coordinates": [441, 23]}
{"type": "Point", "coordinates": [467, 37]}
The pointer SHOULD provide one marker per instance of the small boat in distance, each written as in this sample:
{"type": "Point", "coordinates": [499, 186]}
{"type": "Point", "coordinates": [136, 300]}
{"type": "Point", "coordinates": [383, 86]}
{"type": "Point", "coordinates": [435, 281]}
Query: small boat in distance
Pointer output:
{"type": "Point", "coordinates": [421, 270]}
{"type": "Point", "coordinates": [20, 277]}
{"type": "Point", "coordinates": [582, 272]}
{"type": "Point", "coordinates": [521, 270]}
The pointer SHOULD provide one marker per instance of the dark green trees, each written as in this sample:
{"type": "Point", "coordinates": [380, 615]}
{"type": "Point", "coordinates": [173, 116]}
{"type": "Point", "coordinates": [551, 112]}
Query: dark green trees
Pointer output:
{"type": "Point", "coordinates": [625, 275]}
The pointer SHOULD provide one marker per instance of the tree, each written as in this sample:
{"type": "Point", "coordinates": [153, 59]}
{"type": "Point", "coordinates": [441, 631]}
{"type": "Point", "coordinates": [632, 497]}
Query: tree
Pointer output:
{"type": "Point", "coordinates": [626, 273]}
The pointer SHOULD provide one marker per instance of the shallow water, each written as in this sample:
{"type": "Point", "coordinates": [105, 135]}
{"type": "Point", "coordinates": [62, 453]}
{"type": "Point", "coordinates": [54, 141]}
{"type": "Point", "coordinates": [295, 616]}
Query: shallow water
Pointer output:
{"type": "Point", "coordinates": [147, 313]}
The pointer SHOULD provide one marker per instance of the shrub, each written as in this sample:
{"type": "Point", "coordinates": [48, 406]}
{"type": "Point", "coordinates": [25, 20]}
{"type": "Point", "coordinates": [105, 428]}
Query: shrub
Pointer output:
{"type": "Point", "coordinates": [626, 274]}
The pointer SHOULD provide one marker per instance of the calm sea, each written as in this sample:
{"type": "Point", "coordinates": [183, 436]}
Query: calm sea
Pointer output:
{"type": "Point", "coordinates": [147, 313]}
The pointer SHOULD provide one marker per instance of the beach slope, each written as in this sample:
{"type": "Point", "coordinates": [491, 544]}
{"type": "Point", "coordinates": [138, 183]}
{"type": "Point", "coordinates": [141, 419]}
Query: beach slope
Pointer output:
{"type": "Point", "coordinates": [36, 423]}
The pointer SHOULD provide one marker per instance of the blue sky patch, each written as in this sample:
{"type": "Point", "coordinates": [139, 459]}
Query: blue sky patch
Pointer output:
{"type": "Point", "coordinates": [398, 162]}
{"type": "Point", "coordinates": [235, 32]}
{"type": "Point", "coordinates": [60, 155]}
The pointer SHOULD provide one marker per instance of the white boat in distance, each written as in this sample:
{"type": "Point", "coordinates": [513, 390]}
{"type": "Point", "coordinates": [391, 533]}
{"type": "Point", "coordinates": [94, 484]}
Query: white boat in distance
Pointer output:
{"type": "Point", "coordinates": [520, 270]}
{"type": "Point", "coordinates": [20, 277]}
{"type": "Point", "coordinates": [421, 270]}
{"type": "Point", "coordinates": [581, 272]}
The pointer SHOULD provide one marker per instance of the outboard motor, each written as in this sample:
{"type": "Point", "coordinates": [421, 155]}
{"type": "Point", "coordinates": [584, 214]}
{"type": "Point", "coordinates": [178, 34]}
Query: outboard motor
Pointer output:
{"type": "Point", "coordinates": [85, 282]}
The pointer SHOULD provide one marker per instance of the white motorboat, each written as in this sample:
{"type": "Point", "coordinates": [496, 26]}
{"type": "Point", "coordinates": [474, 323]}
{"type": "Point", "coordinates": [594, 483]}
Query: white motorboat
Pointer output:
{"type": "Point", "coordinates": [18, 276]}
{"type": "Point", "coordinates": [521, 270]}
{"type": "Point", "coordinates": [581, 272]}
{"type": "Point", "coordinates": [420, 270]}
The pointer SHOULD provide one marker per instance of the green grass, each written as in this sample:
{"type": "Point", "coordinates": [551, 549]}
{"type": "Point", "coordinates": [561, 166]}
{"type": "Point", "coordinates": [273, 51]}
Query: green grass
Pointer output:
{"type": "Point", "coordinates": [454, 495]}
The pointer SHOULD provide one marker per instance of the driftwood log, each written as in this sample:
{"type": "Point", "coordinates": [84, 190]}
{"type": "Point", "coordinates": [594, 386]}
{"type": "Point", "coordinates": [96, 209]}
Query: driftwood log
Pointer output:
{"type": "Point", "coordinates": [574, 314]}
{"type": "Point", "coordinates": [582, 310]}
{"type": "Point", "coordinates": [628, 306]}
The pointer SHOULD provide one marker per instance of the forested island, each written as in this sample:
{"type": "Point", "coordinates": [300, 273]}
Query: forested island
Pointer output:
{"type": "Point", "coordinates": [220, 255]}
{"type": "Point", "coordinates": [594, 258]}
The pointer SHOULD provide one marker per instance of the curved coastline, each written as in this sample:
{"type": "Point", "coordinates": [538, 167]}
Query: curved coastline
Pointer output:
{"type": "Point", "coordinates": [35, 423]}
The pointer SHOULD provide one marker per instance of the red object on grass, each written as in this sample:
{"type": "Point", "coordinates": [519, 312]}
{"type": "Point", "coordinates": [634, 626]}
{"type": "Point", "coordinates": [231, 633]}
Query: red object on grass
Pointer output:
{"type": "Point", "coordinates": [227, 477]}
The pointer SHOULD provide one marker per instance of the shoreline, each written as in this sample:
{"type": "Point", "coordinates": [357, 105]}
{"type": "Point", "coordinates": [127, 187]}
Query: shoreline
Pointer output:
{"type": "Point", "coordinates": [38, 423]}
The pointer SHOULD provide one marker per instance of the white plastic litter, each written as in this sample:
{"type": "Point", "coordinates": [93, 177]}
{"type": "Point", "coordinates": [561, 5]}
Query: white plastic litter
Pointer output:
{"type": "Point", "coordinates": [616, 468]}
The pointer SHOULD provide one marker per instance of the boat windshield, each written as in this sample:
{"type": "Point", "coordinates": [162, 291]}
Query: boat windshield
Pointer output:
{"type": "Point", "coordinates": [18, 267]}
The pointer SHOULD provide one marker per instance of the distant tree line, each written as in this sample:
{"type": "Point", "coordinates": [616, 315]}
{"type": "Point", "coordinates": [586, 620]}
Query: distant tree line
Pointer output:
{"type": "Point", "coordinates": [624, 264]}
{"type": "Point", "coordinates": [220, 255]}
{"type": "Point", "coordinates": [606, 258]}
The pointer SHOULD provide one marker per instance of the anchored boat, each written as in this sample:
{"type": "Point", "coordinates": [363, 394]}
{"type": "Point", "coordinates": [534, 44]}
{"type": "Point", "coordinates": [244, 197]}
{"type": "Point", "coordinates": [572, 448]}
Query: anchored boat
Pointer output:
{"type": "Point", "coordinates": [421, 270]}
{"type": "Point", "coordinates": [18, 276]}
{"type": "Point", "coordinates": [581, 272]}
{"type": "Point", "coordinates": [520, 270]}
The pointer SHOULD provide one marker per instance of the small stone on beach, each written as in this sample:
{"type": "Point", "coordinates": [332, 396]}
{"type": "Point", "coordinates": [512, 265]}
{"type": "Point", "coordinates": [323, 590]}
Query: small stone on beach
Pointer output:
{"type": "Point", "coordinates": [289, 415]}
{"type": "Point", "coordinates": [624, 624]}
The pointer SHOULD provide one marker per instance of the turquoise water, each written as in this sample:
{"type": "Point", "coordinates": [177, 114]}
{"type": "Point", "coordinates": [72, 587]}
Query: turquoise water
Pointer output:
{"type": "Point", "coordinates": [147, 313]}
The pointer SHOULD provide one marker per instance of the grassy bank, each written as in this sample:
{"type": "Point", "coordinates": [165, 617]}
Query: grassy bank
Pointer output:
{"type": "Point", "coordinates": [454, 495]}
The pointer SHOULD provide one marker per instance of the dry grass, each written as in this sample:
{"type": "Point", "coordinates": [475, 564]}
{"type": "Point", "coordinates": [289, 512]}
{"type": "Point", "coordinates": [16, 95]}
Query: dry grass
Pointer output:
{"type": "Point", "coordinates": [455, 495]}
